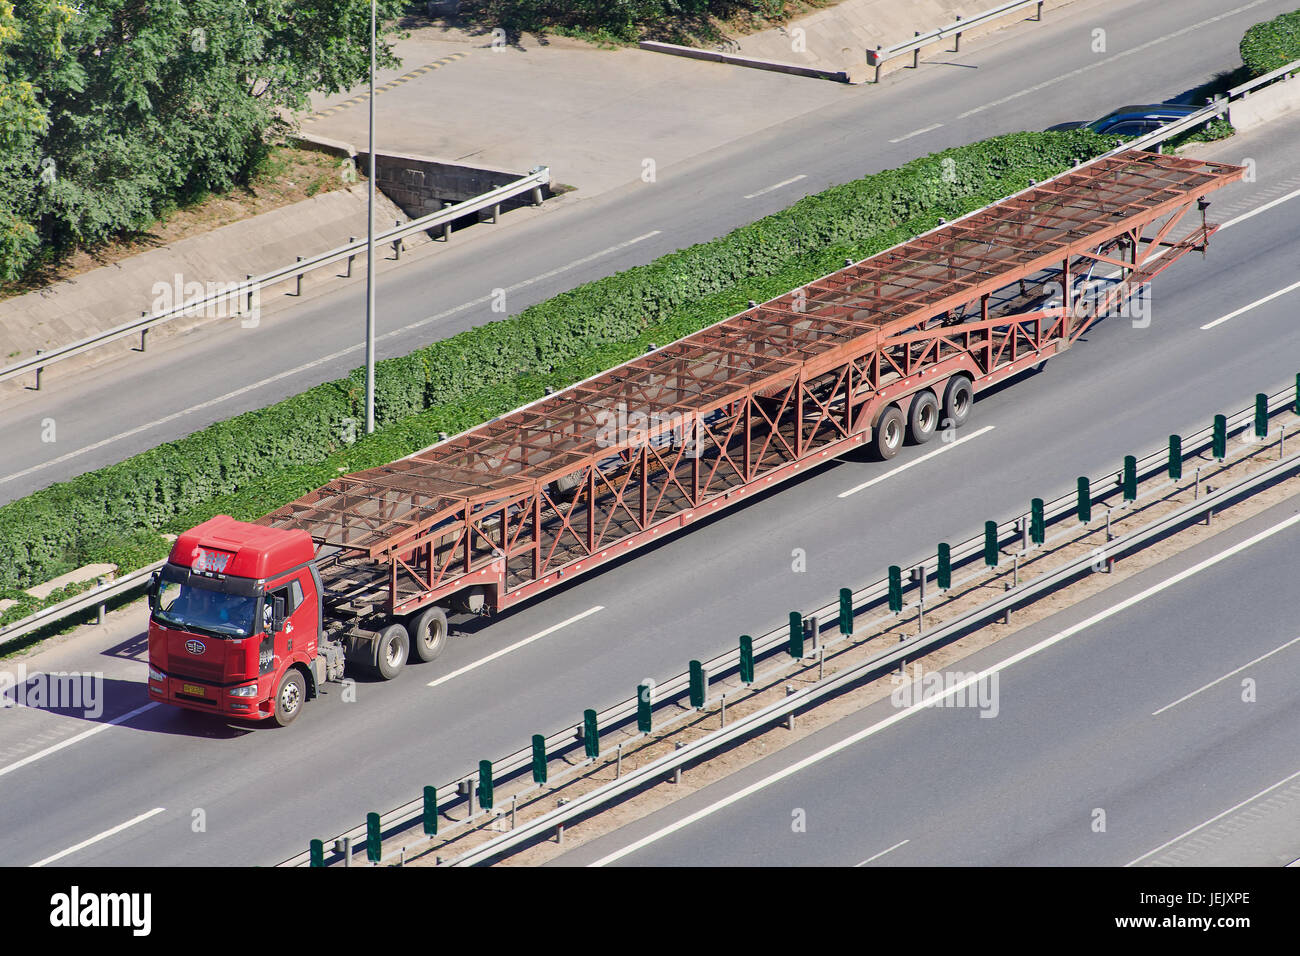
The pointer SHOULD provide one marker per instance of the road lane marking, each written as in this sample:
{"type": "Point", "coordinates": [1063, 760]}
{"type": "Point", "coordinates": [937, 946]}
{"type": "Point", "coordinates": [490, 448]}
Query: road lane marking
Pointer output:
{"type": "Point", "coordinates": [784, 182]}
{"type": "Point", "coordinates": [916, 132]}
{"type": "Point", "coordinates": [882, 853]}
{"type": "Point", "coordinates": [320, 361]}
{"type": "Point", "coordinates": [1202, 826]}
{"type": "Point", "coordinates": [1219, 680]}
{"type": "Point", "coordinates": [77, 738]}
{"type": "Point", "coordinates": [514, 647]}
{"type": "Point", "coordinates": [100, 836]}
{"type": "Point", "coordinates": [1253, 305]}
{"type": "Point", "coordinates": [1255, 212]}
{"type": "Point", "coordinates": [1106, 62]}
{"type": "Point", "coordinates": [957, 688]}
{"type": "Point", "coordinates": [915, 461]}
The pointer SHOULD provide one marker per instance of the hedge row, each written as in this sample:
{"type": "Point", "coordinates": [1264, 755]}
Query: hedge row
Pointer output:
{"type": "Point", "coordinates": [261, 459]}
{"type": "Point", "coordinates": [1272, 44]}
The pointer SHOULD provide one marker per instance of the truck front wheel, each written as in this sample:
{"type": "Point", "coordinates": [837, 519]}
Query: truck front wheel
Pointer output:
{"type": "Point", "coordinates": [429, 634]}
{"type": "Point", "coordinates": [391, 651]}
{"type": "Point", "coordinates": [289, 697]}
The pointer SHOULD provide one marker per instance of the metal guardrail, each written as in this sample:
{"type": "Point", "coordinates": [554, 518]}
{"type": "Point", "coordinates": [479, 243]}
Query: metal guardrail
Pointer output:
{"type": "Point", "coordinates": [668, 693]}
{"type": "Point", "coordinates": [98, 595]}
{"type": "Point", "coordinates": [238, 292]}
{"type": "Point", "coordinates": [880, 55]}
{"type": "Point", "coordinates": [697, 749]}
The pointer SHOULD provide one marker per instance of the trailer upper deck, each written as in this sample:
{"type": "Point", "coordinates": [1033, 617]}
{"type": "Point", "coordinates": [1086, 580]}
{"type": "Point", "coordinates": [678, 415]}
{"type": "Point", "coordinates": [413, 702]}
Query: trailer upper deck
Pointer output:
{"type": "Point", "coordinates": [796, 337]}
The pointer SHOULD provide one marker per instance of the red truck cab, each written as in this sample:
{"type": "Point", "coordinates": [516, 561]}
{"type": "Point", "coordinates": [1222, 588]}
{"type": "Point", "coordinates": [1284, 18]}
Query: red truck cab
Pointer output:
{"type": "Point", "coordinates": [235, 621]}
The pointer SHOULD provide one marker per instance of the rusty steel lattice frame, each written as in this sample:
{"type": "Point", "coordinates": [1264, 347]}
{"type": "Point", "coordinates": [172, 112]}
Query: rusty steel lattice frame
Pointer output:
{"type": "Point", "coordinates": [579, 477]}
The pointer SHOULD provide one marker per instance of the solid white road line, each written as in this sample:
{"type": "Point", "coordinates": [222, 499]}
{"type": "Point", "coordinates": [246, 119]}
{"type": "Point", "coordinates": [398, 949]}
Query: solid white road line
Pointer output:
{"type": "Point", "coordinates": [481, 300]}
{"type": "Point", "coordinates": [1256, 211]}
{"type": "Point", "coordinates": [1111, 59]}
{"type": "Point", "coordinates": [915, 461]}
{"type": "Point", "coordinates": [960, 686]}
{"type": "Point", "coordinates": [784, 182]}
{"type": "Point", "coordinates": [1220, 816]}
{"type": "Point", "coordinates": [1246, 308]}
{"type": "Point", "coordinates": [882, 853]}
{"type": "Point", "coordinates": [916, 132]}
{"type": "Point", "coordinates": [100, 836]}
{"type": "Point", "coordinates": [514, 647]}
{"type": "Point", "coordinates": [32, 758]}
{"type": "Point", "coordinates": [1262, 657]}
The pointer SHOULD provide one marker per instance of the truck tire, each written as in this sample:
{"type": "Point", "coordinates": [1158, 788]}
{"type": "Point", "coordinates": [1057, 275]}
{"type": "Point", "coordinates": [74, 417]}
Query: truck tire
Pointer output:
{"type": "Point", "coordinates": [428, 634]}
{"type": "Point", "coordinates": [289, 697]}
{"type": "Point", "coordinates": [923, 417]}
{"type": "Point", "coordinates": [958, 397]}
{"type": "Point", "coordinates": [391, 650]}
{"type": "Point", "coordinates": [888, 435]}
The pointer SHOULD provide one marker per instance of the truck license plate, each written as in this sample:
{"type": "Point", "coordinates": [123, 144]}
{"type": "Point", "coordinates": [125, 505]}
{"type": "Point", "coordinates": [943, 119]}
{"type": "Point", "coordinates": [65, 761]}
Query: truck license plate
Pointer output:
{"type": "Point", "coordinates": [194, 689]}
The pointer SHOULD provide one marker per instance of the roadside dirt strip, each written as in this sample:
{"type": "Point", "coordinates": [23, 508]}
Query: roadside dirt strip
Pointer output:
{"type": "Point", "coordinates": [873, 632]}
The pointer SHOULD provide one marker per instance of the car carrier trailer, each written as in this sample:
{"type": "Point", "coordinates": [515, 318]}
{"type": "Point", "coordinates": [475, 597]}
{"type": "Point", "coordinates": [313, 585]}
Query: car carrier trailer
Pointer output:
{"type": "Point", "coordinates": [249, 620]}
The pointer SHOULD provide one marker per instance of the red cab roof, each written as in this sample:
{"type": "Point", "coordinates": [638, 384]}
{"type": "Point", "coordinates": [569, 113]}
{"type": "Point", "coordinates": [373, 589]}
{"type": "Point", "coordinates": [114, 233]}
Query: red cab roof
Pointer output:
{"type": "Point", "coordinates": [238, 549]}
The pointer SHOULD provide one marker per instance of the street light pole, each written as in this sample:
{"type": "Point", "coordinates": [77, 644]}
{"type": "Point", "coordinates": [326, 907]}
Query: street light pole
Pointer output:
{"type": "Point", "coordinates": [370, 244]}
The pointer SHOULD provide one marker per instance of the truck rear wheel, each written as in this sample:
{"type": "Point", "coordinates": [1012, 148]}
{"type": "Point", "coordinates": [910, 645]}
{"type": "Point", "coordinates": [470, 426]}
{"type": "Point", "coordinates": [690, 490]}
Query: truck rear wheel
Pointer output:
{"type": "Point", "coordinates": [429, 634]}
{"type": "Point", "coordinates": [958, 398]}
{"type": "Point", "coordinates": [289, 697]}
{"type": "Point", "coordinates": [391, 650]}
{"type": "Point", "coordinates": [888, 436]}
{"type": "Point", "coordinates": [923, 417]}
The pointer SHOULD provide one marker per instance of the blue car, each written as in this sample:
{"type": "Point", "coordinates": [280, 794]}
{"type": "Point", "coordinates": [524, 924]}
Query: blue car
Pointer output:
{"type": "Point", "coordinates": [1134, 120]}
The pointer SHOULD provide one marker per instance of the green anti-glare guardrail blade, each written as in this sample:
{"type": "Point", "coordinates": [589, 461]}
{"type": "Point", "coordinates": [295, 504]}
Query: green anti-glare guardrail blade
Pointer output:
{"type": "Point", "coordinates": [846, 611]}
{"type": "Point", "coordinates": [1037, 522]}
{"type": "Point", "coordinates": [991, 543]}
{"type": "Point", "coordinates": [1130, 478]}
{"type": "Point", "coordinates": [1220, 437]}
{"type": "Point", "coordinates": [796, 635]}
{"type": "Point", "coordinates": [374, 848]}
{"type": "Point", "coordinates": [944, 572]}
{"type": "Point", "coordinates": [1175, 457]}
{"type": "Point", "coordinates": [430, 811]}
{"type": "Point", "coordinates": [590, 734]}
{"type": "Point", "coordinates": [746, 659]}
{"type": "Point", "coordinates": [539, 756]}
{"type": "Point", "coordinates": [1261, 415]}
{"type": "Point", "coordinates": [485, 784]}
{"type": "Point", "coordinates": [895, 588]}
{"type": "Point", "coordinates": [644, 705]}
{"type": "Point", "coordinates": [697, 684]}
{"type": "Point", "coordinates": [317, 853]}
{"type": "Point", "coordinates": [1085, 500]}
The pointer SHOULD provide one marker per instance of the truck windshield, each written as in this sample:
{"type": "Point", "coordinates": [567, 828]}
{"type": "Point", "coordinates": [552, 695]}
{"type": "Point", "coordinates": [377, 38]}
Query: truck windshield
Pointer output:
{"type": "Point", "coordinates": [189, 606]}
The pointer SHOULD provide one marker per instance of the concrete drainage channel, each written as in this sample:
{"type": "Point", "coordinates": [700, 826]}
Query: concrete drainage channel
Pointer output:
{"type": "Point", "coordinates": [530, 797]}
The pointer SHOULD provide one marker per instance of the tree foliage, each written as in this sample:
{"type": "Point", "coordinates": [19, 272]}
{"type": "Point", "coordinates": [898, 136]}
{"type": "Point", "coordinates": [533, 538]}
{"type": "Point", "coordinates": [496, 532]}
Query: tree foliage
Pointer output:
{"type": "Point", "coordinates": [113, 110]}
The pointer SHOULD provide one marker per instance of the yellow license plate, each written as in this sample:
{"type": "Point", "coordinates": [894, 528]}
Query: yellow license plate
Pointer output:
{"type": "Point", "coordinates": [194, 689]}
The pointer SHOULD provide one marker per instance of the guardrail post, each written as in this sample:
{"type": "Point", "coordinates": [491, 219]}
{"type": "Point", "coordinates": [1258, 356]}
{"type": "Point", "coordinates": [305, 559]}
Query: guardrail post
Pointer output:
{"type": "Point", "coordinates": [895, 588]}
{"type": "Point", "coordinates": [1261, 415]}
{"type": "Point", "coordinates": [796, 635]}
{"type": "Point", "coordinates": [644, 703]}
{"type": "Point", "coordinates": [991, 543]}
{"type": "Point", "coordinates": [466, 789]}
{"type": "Point", "coordinates": [846, 611]}
{"type": "Point", "coordinates": [1220, 437]}
{"type": "Point", "coordinates": [430, 811]}
{"type": "Point", "coordinates": [397, 243]}
{"type": "Point", "coordinates": [956, 47]}
{"type": "Point", "coordinates": [1040, 11]}
{"type": "Point", "coordinates": [746, 659]}
{"type": "Point", "coordinates": [539, 759]}
{"type": "Point", "coordinates": [916, 54]}
{"type": "Point", "coordinates": [351, 256]}
{"type": "Point", "coordinates": [297, 280]}
{"type": "Point", "coordinates": [537, 195]}
{"type": "Point", "coordinates": [699, 686]}
{"type": "Point", "coordinates": [1085, 500]}
{"type": "Point", "coordinates": [144, 333]}
{"type": "Point", "coordinates": [1295, 406]}
{"type": "Point", "coordinates": [1175, 457]}
{"type": "Point", "coordinates": [41, 368]}
{"type": "Point", "coordinates": [944, 572]}
{"type": "Point", "coordinates": [374, 848]}
{"type": "Point", "coordinates": [875, 57]}
{"type": "Point", "coordinates": [1130, 478]}
{"type": "Point", "coordinates": [590, 734]}
{"type": "Point", "coordinates": [99, 615]}
{"type": "Point", "coordinates": [347, 851]}
{"type": "Point", "coordinates": [1037, 522]}
{"type": "Point", "coordinates": [248, 281]}
{"type": "Point", "coordinates": [485, 784]}
{"type": "Point", "coordinates": [446, 226]}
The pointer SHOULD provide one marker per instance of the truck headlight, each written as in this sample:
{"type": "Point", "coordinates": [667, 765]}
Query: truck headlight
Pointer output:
{"type": "Point", "coordinates": [248, 690]}
{"type": "Point", "coordinates": [156, 674]}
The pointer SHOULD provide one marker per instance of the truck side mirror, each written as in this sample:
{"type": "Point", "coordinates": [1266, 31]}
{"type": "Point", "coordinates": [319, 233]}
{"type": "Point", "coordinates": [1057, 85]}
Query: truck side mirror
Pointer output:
{"type": "Point", "coordinates": [277, 614]}
{"type": "Point", "coordinates": [153, 591]}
